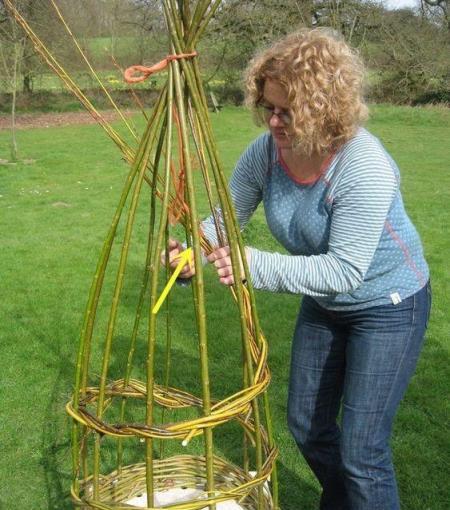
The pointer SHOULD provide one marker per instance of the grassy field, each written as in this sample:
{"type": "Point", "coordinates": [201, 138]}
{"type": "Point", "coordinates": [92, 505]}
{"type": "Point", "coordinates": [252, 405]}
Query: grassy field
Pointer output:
{"type": "Point", "coordinates": [56, 207]}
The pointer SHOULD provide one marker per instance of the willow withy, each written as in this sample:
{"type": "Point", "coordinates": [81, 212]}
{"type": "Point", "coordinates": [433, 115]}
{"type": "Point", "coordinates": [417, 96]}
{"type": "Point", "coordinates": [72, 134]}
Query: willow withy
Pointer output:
{"type": "Point", "coordinates": [177, 139]}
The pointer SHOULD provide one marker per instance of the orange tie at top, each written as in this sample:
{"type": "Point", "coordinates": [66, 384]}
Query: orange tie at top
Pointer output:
{"type": "Point", "coordinates": [147, 71]}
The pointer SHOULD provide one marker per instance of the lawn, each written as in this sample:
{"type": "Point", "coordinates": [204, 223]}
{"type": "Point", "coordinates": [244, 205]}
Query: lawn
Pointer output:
{"type": "Point", "coordinates": [56, 207]}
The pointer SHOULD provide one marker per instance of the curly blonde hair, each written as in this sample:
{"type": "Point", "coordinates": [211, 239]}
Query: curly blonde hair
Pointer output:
{"type": "Point", "coordinates": [323, 77]}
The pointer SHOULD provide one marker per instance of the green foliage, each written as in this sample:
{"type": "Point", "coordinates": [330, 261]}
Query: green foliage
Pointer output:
{"type": "Point", "coordinates": [410, 55]}
{"type": "Point", "coordinates": [54, 215]}
{"type": "Point", "coordinates": [65, 102]}
{"type": "Point", "coordinates": [406, 50]}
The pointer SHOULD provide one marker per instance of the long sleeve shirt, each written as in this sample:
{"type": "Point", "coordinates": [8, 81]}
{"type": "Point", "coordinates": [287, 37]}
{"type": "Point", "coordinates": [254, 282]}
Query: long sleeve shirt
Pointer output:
{"type": "Point", "coordinates": [351, 244]}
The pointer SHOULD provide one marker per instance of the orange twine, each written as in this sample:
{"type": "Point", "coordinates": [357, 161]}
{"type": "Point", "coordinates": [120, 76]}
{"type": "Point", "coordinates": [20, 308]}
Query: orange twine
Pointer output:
{"type": "Point", "coordinates": [129, 73]}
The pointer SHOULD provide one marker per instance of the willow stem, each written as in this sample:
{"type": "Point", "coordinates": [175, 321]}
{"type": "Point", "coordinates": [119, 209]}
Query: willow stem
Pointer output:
{"type": "Point", "coordinates": [198, 281]}
{"type": "Point", "coordinates": [144, 288]}
{"type": "Point", "coordinates": [153, 291]}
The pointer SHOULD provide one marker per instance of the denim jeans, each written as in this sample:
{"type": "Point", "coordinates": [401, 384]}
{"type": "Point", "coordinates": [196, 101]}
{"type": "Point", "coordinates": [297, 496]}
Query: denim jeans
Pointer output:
{"type": "Point", "coordinates": [359, 362]}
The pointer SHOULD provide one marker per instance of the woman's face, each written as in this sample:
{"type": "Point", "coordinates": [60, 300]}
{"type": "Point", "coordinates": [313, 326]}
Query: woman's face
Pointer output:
{"type": "Point", "coordinates": [277, 113]}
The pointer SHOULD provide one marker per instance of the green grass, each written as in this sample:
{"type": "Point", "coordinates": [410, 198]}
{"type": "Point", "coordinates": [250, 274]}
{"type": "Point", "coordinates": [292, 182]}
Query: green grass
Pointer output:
{"type": "Point", "coordinates": [54, 215]}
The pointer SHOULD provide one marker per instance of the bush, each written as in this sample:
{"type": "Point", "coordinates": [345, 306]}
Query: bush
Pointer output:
{"type": "Point", "coordinates": [46, 101]}
{"type": "Point", "coordinates": [433, 97]}
{"type": "Point", "coordinates": [228, 92]}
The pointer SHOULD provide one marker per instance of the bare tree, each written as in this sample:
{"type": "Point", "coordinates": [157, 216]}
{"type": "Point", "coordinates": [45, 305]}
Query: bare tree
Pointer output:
{"type": "Point", "coordinates": [38, 14]}
{"type": "Point", "coordinates": [145, 20]}
{"type": "Point", "coordinates": [409, 55]}
{"type": "Point", "coordinates": [12, 52]}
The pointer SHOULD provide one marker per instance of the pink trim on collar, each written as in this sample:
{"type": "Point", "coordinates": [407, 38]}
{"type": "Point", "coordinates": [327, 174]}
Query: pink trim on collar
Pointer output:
{"type": "Point", "coordinates": [324, 167]}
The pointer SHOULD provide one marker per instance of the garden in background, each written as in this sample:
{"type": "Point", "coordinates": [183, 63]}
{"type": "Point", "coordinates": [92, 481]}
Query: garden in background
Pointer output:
{"type": "Point", "coordinates": [60, 181]}
{"type": "Point", "coordinates": [56, 206]}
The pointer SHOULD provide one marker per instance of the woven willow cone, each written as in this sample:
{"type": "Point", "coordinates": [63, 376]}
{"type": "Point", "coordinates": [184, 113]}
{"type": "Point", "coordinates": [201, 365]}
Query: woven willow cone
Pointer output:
{"type": "Point", "coordinates": [128, 426]}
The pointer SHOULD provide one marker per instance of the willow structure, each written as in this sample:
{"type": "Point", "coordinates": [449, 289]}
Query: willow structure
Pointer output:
{"type": "Point", "coordinates": [118, 419]}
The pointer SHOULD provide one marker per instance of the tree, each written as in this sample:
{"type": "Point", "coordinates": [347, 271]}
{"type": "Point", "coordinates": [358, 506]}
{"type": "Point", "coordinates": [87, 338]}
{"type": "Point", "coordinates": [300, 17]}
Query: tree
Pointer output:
{"type": "Point", "coordinates": [29, 62]}
{"type": "Point", "coordinates": [407, 53]}
{"type": "Point", "coordinates": [39, 16]}
{"type": "Point", "coordinates": [143, 20]}
{"type": "Point", "coordinates": [240, 28]}
{"type": "Point", "coordinates": [410, 56]}
{"type": "Point", "coordinates": [12, 51]}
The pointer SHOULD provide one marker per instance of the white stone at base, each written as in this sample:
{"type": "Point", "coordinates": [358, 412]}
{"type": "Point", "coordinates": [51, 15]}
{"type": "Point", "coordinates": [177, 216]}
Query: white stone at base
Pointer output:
{"type": "Point", "coordinates": [178, 495]}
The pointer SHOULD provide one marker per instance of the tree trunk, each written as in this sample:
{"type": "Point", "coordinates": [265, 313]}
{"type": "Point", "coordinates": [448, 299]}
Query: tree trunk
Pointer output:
{"type": "Point", "coordinates": [14, 151]}
{"type": "Point", "coordinates": [27, 83]}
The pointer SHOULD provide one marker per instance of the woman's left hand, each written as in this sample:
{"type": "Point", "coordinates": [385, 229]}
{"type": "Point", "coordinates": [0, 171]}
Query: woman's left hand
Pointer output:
{"type": "Point", "coordinates": [221, 259]}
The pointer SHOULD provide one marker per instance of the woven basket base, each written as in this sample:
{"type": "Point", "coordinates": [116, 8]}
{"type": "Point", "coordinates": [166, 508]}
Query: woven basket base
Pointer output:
{"type": "Point", "coordinates": [179, 482]}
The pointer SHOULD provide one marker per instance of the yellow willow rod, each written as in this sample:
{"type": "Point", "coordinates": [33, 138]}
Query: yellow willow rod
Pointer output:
{"type": "Point", "coordinates": [151, 339]}
{"type": "Point", "coordinates": [193, 41]}
{"type": "Point", "coordinates": [198, 281]}
{"type": "Point", "coordinates": [91, 308]}
{"type": "Point", "coordinates": [90, 314]}
{"type": "Point", "coordinates": [168, 353]}
{"type": "Point", "coordinates": [257, 331]}
{"type": "Point", "coordinates": [72, 86]}
{"type": "Point", "coordinates": [140, 166]}
{"type": "Point", "coordinates": [233, 234]}
{"type": "Point", "coordinates": [243, 396]}
{"type": "Point", "coordinates": [233, 237]}
{"type": "Point", "coordinates": [199, 143]}
{"type": "Point", "coordinates": [184, 431]}
{"type": "Point", "coordinates": [199, 103]}
{"type": "Point", "coordinates": [172, 7]}
{"type": "Point", "coordinates": [88, 325]}
{"type": "Point", "coordinates": [144, 286]}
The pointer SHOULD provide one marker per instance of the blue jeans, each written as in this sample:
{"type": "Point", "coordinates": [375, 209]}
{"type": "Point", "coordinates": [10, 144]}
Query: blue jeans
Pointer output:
{"type": "Point", "coordinates": [362, 360]}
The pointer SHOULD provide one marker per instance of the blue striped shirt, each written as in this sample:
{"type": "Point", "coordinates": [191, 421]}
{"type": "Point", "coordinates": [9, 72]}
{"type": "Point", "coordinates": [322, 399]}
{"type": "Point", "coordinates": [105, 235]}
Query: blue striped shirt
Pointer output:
{"type": "Point", "coordinates": [351, 244]}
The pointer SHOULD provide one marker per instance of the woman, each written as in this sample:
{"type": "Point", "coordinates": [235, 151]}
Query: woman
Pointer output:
{"type": "Point", "coordinates": [331, 197]}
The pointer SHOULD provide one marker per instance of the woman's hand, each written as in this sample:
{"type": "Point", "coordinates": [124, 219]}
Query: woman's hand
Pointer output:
{"type": "Point", "coordinates": [174, 248]}
{"type": "Point", "coordinates": [222, 261]}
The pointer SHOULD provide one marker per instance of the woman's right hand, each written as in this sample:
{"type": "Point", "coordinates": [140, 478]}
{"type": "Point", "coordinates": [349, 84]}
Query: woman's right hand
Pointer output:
{"type": "Point", "coordinates": [174, 248]}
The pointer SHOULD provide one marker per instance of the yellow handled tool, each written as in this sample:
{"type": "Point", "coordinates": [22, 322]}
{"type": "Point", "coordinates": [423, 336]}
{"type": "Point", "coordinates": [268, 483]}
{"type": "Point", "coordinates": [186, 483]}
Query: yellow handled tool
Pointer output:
{"type": "Point", "coordinates": [185, 257]}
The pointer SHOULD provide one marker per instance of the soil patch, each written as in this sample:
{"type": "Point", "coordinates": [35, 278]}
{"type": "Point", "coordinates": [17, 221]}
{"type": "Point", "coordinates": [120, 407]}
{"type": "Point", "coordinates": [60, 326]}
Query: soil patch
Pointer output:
{"type": "Point", "coordinates": [40, 120]}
